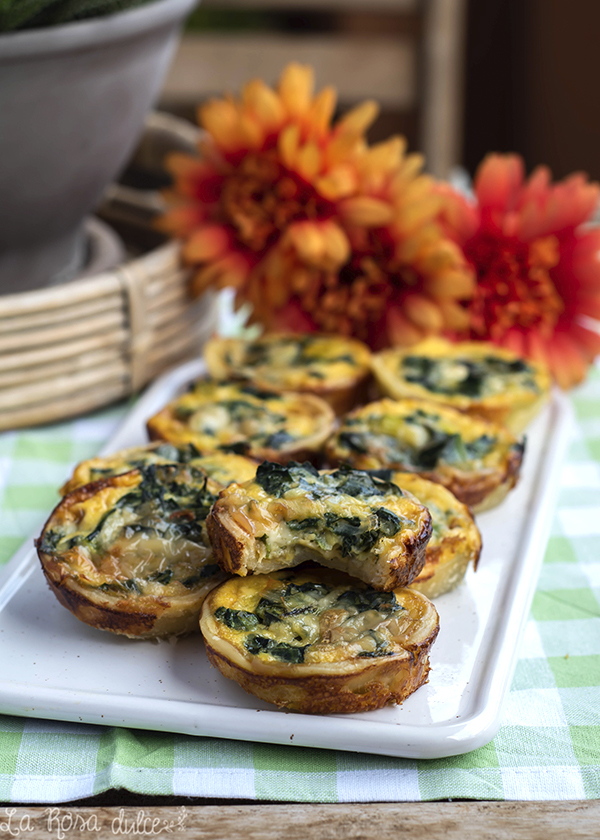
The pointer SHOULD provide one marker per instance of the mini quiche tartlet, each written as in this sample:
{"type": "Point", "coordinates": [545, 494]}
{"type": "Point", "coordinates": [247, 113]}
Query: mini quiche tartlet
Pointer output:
{"type": "Point", "coordinates": [333, 367]}
{"type": "Point", "coordinates": [477, 460]}
{"type": "Point", "coordinates": [344, 519]}
{"type": "Point", "coordinates": [240, 418]}
{"type": "Point", "coordinates": [455, 540]}
{"type": "Point", "coordinates": [472, 376]}
{"type": "Point", "coordinates": [222, 467]}
{"type": "Point", "coordinates": [319, 642]}
{"type": "Point", "coordinates": [130, 553]}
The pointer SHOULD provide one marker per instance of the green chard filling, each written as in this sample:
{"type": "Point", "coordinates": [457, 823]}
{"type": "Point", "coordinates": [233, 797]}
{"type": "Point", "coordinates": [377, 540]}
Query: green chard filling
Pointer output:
{"type": "Point", "coordinates": [258, 425]}
{"type": "Point", "coordinates": [162, 517]}
{"type": "Point", "coordinates": [350, 535]}
{"type": "Point", "coordinates": [281, 479]}
{"type": "Point", "coordinates": [467, 377]}
{"type": "Point", "coordinates": [291, 618]}
{"type": "Point", "coordinates": [296, 353]}
{"type": "Point", "coordinates": [166, 453]}
{"type": "Point", "coordinates": [376, 433]}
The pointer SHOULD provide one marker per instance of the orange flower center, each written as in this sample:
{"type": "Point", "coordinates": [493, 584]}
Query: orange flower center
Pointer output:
{"type": "Point", "coordinates": [260, 198]}
{"type": "Point", "coordinates": [514, 284]}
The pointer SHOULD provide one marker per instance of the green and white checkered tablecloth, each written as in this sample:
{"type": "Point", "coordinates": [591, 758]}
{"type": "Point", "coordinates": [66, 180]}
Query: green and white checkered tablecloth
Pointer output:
{"type": "Point", "coordinates": [548, 746]}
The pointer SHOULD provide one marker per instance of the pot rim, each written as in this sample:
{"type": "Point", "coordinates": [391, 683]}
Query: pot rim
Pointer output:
{"type": "Point", "coordinates": [93, 32]}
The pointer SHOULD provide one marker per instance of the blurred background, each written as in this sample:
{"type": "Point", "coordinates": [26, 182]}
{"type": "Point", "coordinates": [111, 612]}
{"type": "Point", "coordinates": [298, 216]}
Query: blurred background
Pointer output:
{"type": "Point", "coordinates": [458, 78]}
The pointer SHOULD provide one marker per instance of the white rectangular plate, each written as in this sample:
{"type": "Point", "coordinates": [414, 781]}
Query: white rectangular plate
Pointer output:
{"type": "Point", "coordinates": [53, 666]}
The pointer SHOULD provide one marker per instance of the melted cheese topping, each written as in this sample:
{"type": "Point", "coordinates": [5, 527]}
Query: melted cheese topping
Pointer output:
{"type": "Point", "coordinates": [292, 362]}
{"type": "Point", "coordinates": [143, 533]}
{"type": "Point", "coordinates": [313, 617]}
{"type": "Point", "coordinates": [420, 436]}
{"type": "Point", "coordinates": [233, 416]}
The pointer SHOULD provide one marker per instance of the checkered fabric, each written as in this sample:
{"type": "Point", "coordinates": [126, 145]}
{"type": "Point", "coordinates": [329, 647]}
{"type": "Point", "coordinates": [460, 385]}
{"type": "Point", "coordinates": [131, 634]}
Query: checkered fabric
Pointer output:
{"type": "Point", "coordinates": [548, 746]}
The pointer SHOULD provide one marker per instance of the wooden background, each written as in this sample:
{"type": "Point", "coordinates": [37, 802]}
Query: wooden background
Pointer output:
{"type": "Point", "coordinates": [457, 77]}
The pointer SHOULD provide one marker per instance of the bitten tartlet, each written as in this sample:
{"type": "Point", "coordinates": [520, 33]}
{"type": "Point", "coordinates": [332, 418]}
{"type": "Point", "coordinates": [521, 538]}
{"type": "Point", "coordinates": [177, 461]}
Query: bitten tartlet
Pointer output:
{"type": "Point", "coordinates": [455, 540]}
{"type": "Point", "coordinates": [240, 418]}
{"type": "Point", "coordinates": [130, 553]}
{"type": "Point", "coordinates": [332, 367]}
{"type": "Point", "coordinates": [477, 460]}
{"type": "Point", "coordinates": [222, 467]}
{"type": "Point", "coordinates": [472, 376]}
{"type": "Point", "coordinates": [344, 519]}
{"type": "Point", "coordinates": [317, 641]}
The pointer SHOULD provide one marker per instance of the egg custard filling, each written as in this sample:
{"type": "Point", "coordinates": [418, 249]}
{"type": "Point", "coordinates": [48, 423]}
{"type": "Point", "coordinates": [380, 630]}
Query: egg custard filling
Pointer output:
{"type": "Point", "coordinates": [222, 467]}
{"type": "Point", "coordinates": [130, 553]}
{"type": "Point", "coordinates": [319, 641]}
{"type": "Point", "coordinates": [291, 362]}
{"type": "Point", "coordinates": [245, 420]}
{"type": "Point", "coordinates": [471, 456]}
{"type": "Point", "coordinates": [344, 519]}
{"type": "Point", "coordinates": [466, 376]}
{"type": "Point", "coordinates": [476, 377]}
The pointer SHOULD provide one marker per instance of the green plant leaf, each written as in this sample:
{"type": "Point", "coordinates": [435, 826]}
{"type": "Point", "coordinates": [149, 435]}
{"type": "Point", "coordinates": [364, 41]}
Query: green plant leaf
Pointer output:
{"type": "Point", "coordinates": [19, 13]}
{"type": "Point", "coordinates": [30, 14]}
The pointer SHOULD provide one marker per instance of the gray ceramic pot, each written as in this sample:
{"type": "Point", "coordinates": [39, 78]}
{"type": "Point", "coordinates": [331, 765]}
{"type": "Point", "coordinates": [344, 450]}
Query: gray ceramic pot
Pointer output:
{"type": "Point", "coordinates": [72, 104]}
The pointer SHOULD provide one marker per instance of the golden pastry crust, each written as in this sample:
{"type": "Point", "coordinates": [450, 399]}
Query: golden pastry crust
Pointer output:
{"type": "Point", "coordinates": [221, 467]}
{"type": "Point", "coordinates": [130, 554]}
{"type": "Point", "coordinates": [333, 367]}
{"type": "Point", "coordinates": [319, 642]}
{"type": "Point", "coordinates": [455, 540]}
{"type": "Point", "coordinates": [477, 460]}
{"type": "Point", "coordinates": [472, 376]}
{"type": "Point", "coordinates": [237, 417]}
{"type": "Point", "coordinates": [343, 519]}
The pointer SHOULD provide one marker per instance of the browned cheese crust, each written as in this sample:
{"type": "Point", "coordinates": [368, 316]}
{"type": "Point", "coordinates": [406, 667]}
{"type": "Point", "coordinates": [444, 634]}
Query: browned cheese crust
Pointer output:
{"type": "Point", "coordinates": [379, 685]}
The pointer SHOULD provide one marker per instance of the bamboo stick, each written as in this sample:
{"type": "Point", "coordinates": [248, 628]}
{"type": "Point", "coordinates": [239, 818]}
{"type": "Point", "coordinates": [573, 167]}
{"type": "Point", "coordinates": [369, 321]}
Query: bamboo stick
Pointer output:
{"type": "Point", "coordinates": [72, 383]}
{"type": "Point", "coordinates": [52, 317]}
{"type": "Point", "coordinates": [63, 367]}
{"type": "Point", "coordinates": [66, 407]}
{"type": "Point", "coordinates": [162, 266]}
{"type": "Point", "coordinates": [53, 335]}
{"type": "Point", "coordinates": [172, 294]}
{"type": "Point", "coordinates": [28, 358]}
{"type": "Point", "coordinates": [57, 297]}
{"type": "Point", "coordinates": [179, 279]}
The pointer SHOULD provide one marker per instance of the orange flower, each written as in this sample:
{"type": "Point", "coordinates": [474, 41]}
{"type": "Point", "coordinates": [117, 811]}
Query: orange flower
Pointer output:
{"type": "Point", "coordinates": [313, 227]}
{"type": "Point", "coordinates": [537, 265]}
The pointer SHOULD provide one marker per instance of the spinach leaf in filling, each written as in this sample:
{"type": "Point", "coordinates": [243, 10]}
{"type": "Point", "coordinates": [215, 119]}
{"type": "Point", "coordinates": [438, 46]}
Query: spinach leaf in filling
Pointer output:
{"type": "Point", "coordinates": [293, 654]}
{"type": "Point", "coordinates": [441, 446]}
{"type": "Point", "coordinates": [204, 572]}
{"type": "Point", "coordinates": [236, 619]}
{"type": "Point", "coordinates": [278, 479]}
{"type": "Point", "coordinates": [171, 502]}
{"type": "Point", "coordinates": [288, 600]}
{"type": "Point", "coordinates": [428, 372]}
{"type": "Point", "coordinates": [369, 599]}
